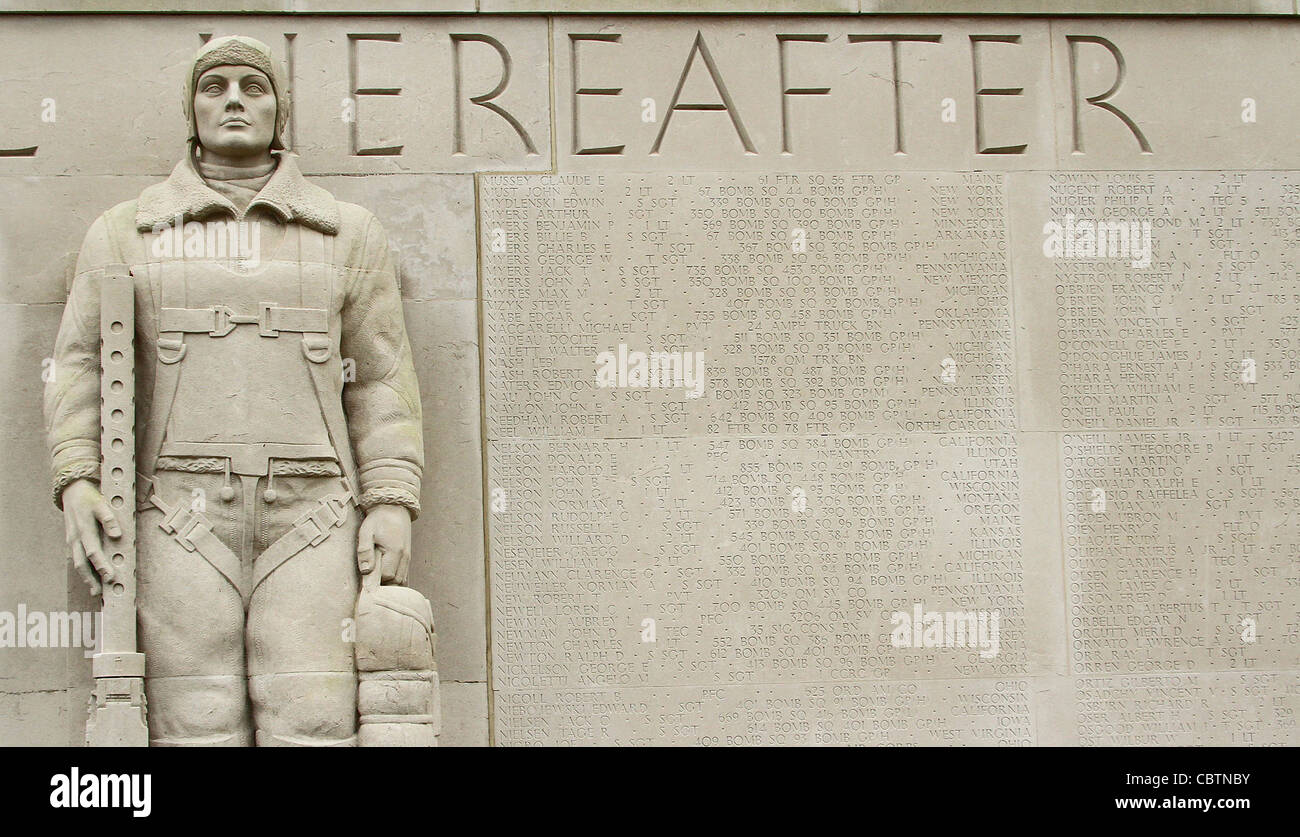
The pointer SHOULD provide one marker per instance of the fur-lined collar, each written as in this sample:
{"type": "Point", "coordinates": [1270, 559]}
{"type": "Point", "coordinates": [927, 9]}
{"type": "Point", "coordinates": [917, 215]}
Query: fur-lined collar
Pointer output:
{"type": "Point", "coordinates": [287, 193]}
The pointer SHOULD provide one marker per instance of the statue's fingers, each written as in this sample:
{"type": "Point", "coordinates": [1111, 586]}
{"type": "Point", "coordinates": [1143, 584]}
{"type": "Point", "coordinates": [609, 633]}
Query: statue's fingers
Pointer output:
{"type": "Point", "coordinates": [403, 566]}
{"type": "Point", "coordinates": [104, 514]}
{"type": "Point", "coordinates": [388, 561]}
{"type": "Point", "coordinates": [94, 552]}
{"type": "Point", "coordinates": [365, 549]}
{"type": "Point", "coordinates": [83, 568]}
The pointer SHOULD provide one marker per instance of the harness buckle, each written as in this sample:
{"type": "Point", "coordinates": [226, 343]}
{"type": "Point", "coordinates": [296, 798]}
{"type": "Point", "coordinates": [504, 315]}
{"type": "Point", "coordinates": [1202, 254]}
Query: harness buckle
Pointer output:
{"type": "Point", "coordinates": [263, 320]}
{"type": "Point", "coordinates": [224, 320]}
{"type": "Point", "coordinates": [331, 512]}
{"type": "Point", "coordinates": [180, 523]}
{"type": "Point", "coordinates": [185, 536]}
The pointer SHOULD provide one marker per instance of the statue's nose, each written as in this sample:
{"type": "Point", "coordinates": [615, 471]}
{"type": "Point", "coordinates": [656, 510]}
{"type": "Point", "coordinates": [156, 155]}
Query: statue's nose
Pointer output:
{"type": "Point", "coordinates": [233, 98]}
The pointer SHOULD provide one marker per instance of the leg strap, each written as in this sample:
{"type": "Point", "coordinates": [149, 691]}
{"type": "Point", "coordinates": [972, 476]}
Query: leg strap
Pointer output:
{"type": "Point", "coordinates": [193, 532]}
{"type": "Point", "coordinates": [309, 530]}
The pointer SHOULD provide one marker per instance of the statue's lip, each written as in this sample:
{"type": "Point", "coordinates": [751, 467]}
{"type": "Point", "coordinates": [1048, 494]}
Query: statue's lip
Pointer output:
{"type": "Point", "coordinates": [236, 120]}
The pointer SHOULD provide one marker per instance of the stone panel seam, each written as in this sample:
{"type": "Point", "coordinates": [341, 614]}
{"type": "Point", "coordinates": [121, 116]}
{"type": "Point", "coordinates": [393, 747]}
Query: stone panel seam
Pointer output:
{"type": "Point", "coordinates": [478, 11]}
{"type": "Point", "coordinates": [814, 682]}
{"type": "Point", "coordinates": [483, 452]}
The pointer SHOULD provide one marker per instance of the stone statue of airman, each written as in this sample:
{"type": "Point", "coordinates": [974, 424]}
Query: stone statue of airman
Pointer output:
{"type": "Point", "coordinates": [279, 449]}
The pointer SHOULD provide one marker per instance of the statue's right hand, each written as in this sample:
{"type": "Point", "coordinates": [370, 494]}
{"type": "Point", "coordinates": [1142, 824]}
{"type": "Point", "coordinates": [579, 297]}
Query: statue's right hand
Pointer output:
{"type": "Point", "coordinates": [85, 511]}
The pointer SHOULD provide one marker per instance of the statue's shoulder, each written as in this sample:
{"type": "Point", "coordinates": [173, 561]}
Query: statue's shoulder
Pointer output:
{"type": "Point", "coordinates": [117, 222]}
{"type": "Point", "coordinates": [354, 218]}
{"type": "Point", "coordinates": [122, 214]}
{"type": "Point", "coordinates": [359, 227]}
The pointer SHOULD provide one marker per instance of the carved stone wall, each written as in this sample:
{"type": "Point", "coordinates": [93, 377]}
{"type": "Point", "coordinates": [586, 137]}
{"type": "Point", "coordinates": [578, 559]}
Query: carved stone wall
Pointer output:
{"type": "Point", "coordinates": [904, 371]}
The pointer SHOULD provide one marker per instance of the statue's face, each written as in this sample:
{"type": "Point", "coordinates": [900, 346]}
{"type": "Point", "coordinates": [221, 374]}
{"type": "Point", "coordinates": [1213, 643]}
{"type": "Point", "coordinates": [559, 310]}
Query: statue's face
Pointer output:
{"type": "Point", "coordinates": [234, 111]}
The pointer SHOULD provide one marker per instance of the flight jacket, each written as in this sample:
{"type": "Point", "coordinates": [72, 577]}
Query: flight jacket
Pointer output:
{"type": "Point", "coordinates": [381, 403]}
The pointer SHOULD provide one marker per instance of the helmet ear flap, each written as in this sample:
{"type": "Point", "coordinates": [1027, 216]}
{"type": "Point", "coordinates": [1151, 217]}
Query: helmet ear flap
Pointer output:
{"type": "Point", "coordinates": [283, 113]}
{"type": "Point", "coordinates": [187, 108]}
{"type": "Point", "coordinates": [284, 100]}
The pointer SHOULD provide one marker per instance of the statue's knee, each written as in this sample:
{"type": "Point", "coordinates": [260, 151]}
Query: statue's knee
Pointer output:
{"type": "Point", "coordinates": [305, 708]}
{"type": "Point", "coordinates": [198, 711]}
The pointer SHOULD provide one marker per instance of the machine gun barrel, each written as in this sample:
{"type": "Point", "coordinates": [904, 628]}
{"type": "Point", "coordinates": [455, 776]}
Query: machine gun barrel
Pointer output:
{"type": "Point", "coordinates": [117, 706]}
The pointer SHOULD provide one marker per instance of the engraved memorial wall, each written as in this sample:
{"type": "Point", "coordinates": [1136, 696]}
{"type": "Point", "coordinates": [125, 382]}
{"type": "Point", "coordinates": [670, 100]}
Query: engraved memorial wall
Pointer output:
{"type": "Point", "coordinates": [874, 329]}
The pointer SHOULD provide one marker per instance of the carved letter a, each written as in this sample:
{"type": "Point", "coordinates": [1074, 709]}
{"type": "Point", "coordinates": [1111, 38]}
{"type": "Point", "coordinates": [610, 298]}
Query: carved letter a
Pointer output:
{"type": "Point", "coordinates": [701, 49]}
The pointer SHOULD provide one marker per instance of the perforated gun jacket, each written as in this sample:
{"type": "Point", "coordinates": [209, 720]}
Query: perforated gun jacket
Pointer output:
{"type": "Point", "coordinates": [303, 356]}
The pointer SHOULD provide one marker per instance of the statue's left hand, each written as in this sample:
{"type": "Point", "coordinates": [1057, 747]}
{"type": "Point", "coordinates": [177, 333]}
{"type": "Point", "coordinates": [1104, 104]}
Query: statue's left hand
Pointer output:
{"type": "Point", "coordinates": [386, 531]}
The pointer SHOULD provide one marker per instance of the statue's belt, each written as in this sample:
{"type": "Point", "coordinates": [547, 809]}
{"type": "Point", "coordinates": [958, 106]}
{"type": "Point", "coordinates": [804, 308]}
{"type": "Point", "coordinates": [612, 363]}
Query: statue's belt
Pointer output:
{"type": "Point", "coordinates": [247, 459]}
{"type": "Point", "coordinates": [278, 467]}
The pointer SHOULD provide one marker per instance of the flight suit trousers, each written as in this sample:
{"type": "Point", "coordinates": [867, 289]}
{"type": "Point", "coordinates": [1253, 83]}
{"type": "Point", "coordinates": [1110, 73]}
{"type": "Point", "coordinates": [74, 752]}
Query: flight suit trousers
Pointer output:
{"type": "Point", "coordinates": [272, 664]}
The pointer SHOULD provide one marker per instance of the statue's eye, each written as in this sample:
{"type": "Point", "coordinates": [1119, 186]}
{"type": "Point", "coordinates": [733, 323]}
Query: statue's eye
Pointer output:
{"type": "Point", "coordinates": [212, 88]}
{"type": "Point", "coordinates": [255, 88]}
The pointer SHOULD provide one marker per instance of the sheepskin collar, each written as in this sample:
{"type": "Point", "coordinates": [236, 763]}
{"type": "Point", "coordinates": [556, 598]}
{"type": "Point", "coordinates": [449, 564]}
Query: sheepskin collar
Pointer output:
{"type": "Point", "coordinates": [287, 193]}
